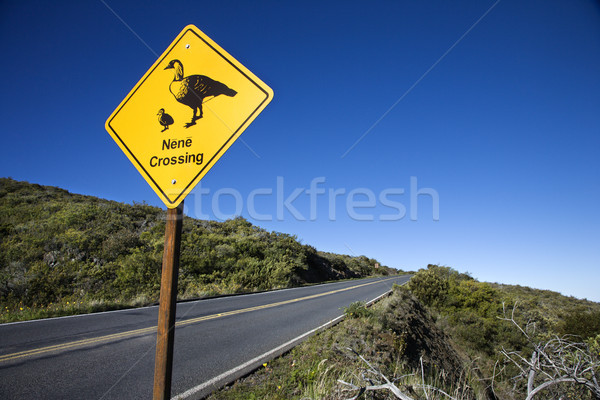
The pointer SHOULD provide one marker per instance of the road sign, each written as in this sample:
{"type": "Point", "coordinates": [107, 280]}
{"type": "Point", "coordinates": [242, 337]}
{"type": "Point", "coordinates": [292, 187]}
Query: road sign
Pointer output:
{"type": "Point", "coordinates": [185, 112]}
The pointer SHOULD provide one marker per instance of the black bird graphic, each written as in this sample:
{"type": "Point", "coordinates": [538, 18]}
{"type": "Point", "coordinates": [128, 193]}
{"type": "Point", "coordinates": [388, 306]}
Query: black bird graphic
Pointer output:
{"type": "Point", "coordinates": [164, 119]}
{"type": "Point", "coordinates": [193, 89]}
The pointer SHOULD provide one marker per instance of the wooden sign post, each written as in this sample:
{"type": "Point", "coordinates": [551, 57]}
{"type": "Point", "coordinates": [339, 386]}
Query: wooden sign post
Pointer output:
{"type": "Point", "coordinates": [163, 365]}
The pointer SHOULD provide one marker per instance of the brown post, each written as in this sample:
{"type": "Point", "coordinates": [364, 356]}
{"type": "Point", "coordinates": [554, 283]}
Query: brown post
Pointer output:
{"type": "Point", "coordinates": [163, 366]}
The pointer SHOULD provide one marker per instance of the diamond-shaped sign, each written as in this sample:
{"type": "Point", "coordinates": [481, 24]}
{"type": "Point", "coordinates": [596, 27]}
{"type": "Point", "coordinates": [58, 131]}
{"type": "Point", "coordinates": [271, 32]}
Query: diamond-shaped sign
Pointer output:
{"type": "Point", "coordinates": [185, 112]}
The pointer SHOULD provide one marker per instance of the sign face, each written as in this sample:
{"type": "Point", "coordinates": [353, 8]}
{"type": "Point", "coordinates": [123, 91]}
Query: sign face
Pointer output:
{"type": "Point", "coordinates": [185, 112]}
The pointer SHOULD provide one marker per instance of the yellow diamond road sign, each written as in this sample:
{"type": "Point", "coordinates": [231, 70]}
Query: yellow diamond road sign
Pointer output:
{"type": "Point", "coordinates": [185, 112]}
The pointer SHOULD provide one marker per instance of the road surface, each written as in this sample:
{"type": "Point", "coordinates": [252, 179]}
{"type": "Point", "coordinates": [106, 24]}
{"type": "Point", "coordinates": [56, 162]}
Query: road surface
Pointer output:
{"type": "Point", "coordinates": [111, 355]}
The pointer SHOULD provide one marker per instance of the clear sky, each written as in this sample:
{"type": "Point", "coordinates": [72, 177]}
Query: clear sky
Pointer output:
{"type": "Point", "coordinates": [464, 134]}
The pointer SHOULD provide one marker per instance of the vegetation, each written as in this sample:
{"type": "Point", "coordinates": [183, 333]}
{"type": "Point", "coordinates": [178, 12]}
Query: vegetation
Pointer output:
{"type": "Point", "coordinates": [474, 314]}
{"type": "Point", "coordinates": [443, 336]}
{"type": "Point", "coordinates": [64, 253]}
{"type": "Point", "coordinates": [554, 367]}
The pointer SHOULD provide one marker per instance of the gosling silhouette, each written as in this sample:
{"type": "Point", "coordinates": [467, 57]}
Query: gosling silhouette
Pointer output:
{"type": "Point", "coordinates": [164, 119]}
{"type": "Point", "coordinates": [193, 89]}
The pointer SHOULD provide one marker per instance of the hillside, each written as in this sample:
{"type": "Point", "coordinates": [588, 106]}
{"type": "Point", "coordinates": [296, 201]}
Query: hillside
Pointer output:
{"type": "Point", "coordinates": [444, 335]}
{"type": "Point", "coordinates": [63, 253]}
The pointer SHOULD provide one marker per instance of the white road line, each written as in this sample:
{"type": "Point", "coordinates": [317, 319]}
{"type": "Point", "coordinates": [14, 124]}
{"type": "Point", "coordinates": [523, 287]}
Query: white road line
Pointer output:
{"type": "Point", "coordinates": [219, 379]}
{"type": "Point", "coordinates": [257, 360]}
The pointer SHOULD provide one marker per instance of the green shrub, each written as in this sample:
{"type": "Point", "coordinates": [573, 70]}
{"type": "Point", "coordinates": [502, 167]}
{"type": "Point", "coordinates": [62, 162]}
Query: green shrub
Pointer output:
{"type": "Point", "coordinates": [430, 286]}
{"type": "Point", "coordinates": [581, 322]}
{"type": "Point", "coordinates": [358, 309]}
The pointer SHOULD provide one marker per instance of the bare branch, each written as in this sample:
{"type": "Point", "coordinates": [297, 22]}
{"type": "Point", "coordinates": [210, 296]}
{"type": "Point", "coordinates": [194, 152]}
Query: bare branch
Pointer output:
{"type": "Point", "coordinates": [429, 387]}
{"type": "Point", "coordinates": [552, 362]}
{"type": "Point", "coordinates": [531, 377]}
{"type": "Point", "coordinates": [387, 385]}
{"type": "Point", "coordinates": [423, 377]}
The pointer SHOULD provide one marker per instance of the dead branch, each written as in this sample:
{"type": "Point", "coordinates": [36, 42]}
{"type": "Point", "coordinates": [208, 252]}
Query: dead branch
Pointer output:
{"type": "Point", "coordinates": [433, 388]}
{"type": "Point", "coordinates": [552, 362]}
{"type": "Point", "coordinates": [377, 384]}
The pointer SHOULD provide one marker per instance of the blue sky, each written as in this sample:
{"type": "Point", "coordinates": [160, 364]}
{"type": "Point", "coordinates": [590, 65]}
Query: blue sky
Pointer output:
{"type": "Point", "coordinates": [459, 133]}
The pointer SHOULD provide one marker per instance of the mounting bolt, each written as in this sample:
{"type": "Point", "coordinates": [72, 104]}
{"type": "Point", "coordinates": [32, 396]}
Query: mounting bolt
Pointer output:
{"type": "Point", "coordinates": [173, 181]}
{"type": "Point", "coordinates": [187, 46]}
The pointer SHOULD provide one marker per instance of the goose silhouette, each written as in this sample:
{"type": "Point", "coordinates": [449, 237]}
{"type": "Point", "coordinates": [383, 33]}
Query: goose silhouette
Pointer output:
{"type": "Point", "coordinates": [193, 89]}
{"type": "Point", "coordinates": [164, 119]}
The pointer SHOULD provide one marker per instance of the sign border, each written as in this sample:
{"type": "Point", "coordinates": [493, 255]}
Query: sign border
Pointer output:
{"type": "Point", "coordinates": [226, 57]}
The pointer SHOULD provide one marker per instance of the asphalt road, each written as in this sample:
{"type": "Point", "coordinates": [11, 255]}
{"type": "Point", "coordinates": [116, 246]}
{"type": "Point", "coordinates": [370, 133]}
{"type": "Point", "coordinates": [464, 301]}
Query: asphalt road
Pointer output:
{"type": "Point", "coordinates": [111, 355]}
